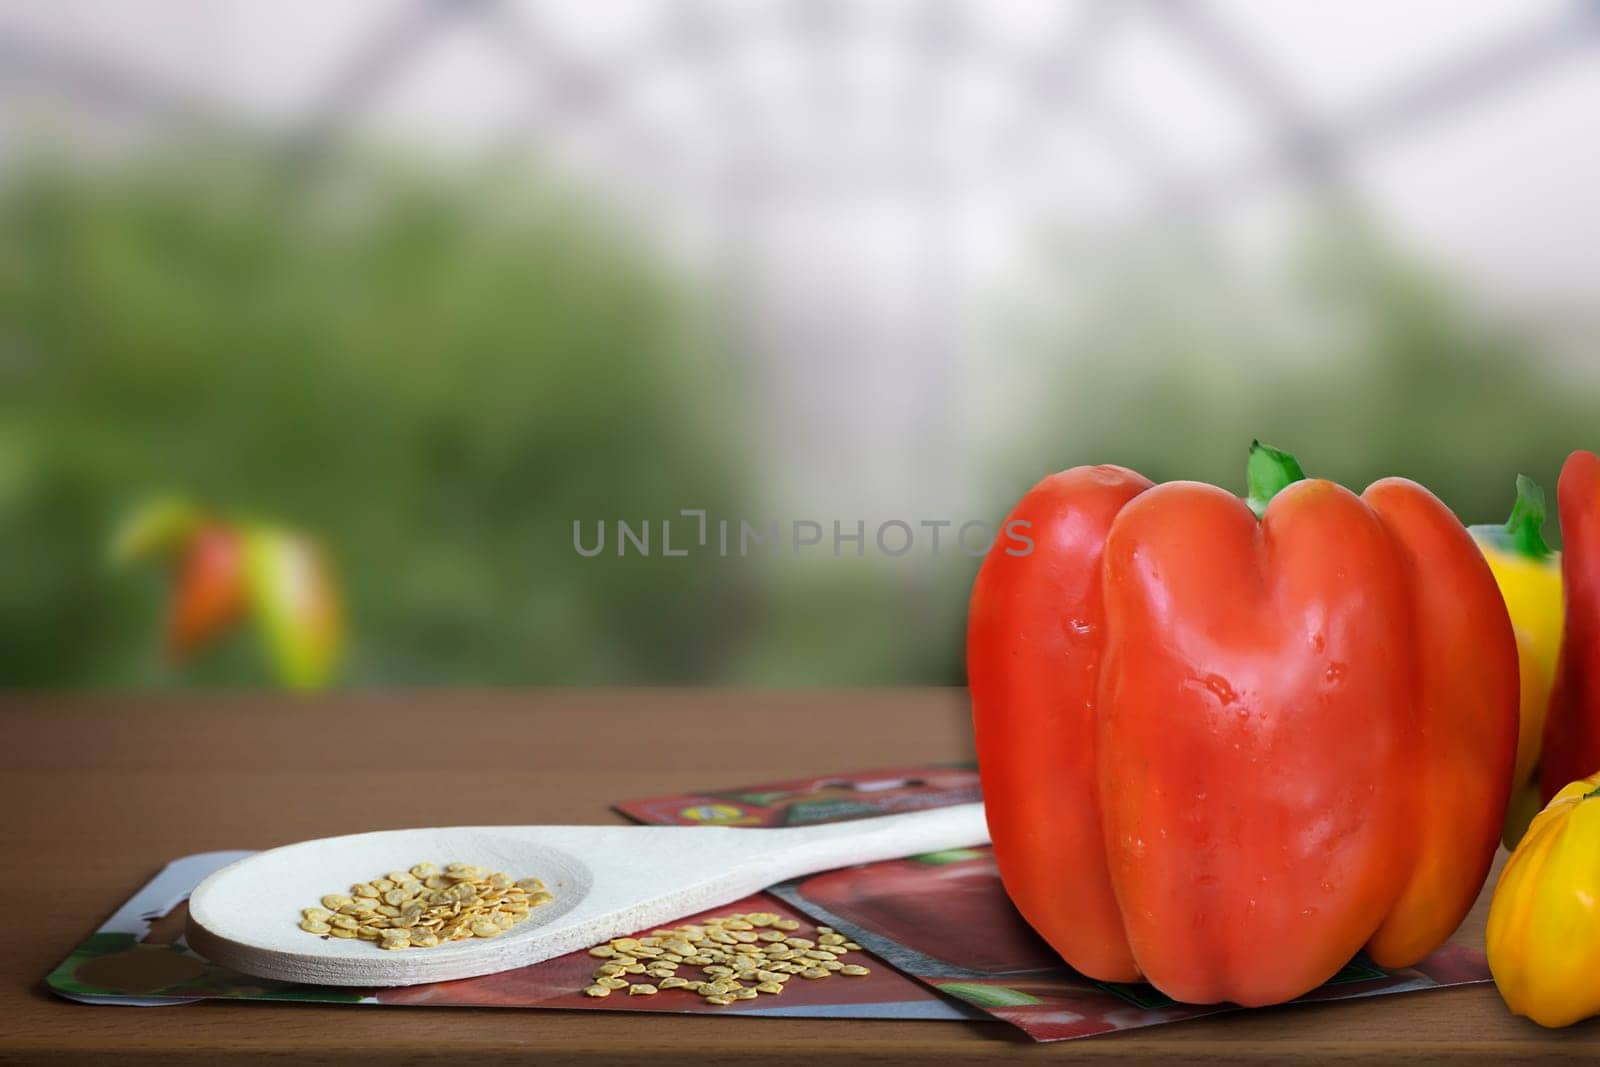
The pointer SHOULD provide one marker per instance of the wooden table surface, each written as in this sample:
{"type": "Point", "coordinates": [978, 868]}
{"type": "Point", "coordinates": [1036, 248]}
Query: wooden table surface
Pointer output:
{"type": "Point", "coordinates": [99, 791]}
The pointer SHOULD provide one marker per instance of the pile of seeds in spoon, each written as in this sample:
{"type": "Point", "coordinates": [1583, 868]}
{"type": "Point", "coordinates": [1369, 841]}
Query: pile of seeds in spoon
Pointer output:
{"type": "Point", "coordinates": [739, 957]}
{"type": "Point", "coordinates": [426, 906]}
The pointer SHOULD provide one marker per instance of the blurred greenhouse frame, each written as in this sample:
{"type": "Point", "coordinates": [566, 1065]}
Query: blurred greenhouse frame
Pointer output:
{"type": "Point", "coordinates": [772, 260]}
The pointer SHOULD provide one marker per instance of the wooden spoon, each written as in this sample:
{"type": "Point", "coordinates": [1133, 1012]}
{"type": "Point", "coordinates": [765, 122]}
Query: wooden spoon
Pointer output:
{"type": "Point", "coordinates": [607, 880]}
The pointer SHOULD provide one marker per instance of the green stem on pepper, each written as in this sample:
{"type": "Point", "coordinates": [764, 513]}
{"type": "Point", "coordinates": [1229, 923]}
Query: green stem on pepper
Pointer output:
{"type": "Point", "coordinates": [1525, 527]}
{"type": "Point", "coordinates": [1523, 532]}
{"type": "Point", "coordinates": [1267, 473]}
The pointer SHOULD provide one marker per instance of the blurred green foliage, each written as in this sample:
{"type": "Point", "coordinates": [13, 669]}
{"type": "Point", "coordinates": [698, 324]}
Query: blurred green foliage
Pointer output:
{"type": "Point", "coordinates": [842, 622]}
{"type": "Point", "coordinates": [1361, 360]}
{"type": "Point", "coordinates": [434, 376]}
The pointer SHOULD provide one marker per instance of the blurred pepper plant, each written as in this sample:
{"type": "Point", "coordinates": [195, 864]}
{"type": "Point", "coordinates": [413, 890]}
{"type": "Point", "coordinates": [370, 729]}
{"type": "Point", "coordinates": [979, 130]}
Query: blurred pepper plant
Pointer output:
{"type": "Point", "coordinates": [226, 570]}
{"type": "Point", "coordinates": [434, 375]}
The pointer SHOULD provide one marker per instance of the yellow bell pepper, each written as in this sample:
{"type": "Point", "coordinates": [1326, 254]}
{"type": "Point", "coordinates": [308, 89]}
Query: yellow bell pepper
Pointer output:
{"type": "Point", "coordinates": [1529, 576]}
{"type": "Point", "coordinates": [1544, 920]}
{"type": "Point", "coordinates": [296, 604]}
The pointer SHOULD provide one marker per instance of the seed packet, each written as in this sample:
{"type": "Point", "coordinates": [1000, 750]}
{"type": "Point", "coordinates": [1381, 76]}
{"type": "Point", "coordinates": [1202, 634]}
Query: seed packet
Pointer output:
{"type": "Point", "coordinates": [941, 939]}
{"type": "Point", "coordinates": [944, 918]}
{"type": "Point", "coordinates": [139, 957]}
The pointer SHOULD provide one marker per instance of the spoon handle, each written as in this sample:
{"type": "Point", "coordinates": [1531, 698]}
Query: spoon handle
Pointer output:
{"type": "Point", "coordinates": [807, 849]}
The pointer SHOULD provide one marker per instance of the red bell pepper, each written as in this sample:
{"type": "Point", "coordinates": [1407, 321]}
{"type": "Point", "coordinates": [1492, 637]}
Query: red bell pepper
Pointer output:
{"type": "Point", "coordinates": [1572, 726]}
{"type": "Point", "coordinates": [1225, 754]}
{"type": "Point", "coordinates": [209, 592]}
